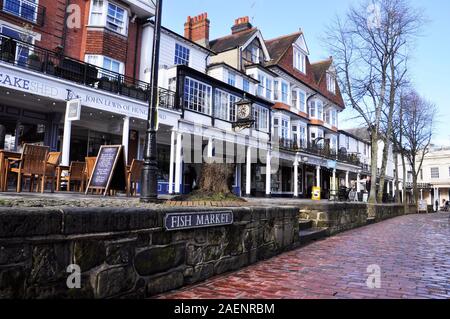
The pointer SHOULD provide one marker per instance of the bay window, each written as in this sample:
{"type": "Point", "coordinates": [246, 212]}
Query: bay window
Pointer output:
{"type": "Point", "coordinates": [197, 96]}
{"type": "Point", "coordinates": [261, 116]}
{"type": "Point", "coordinates": [303, 136]}
{"type": "Point", "coordinates": [294, 98]}
{"type": "Point", "coordinates": [312, 109]}
{"type": "Point", "coordinates": [246, 85]}
{"type": "Point", "coordinates": [276, 92]}
{"type": "Point", "coordinates": [284, 129]}
{"type": "Point", "coordinates": [284, 92]}
{"type": "Point", "coordinates": [268, 88]}
{"type": "Point", "coordinates": [225, 106]}
{"type": "Point", "coordinates": [302, 101]}
{"type": "Point", "coordinates": [107, 14]}
{"type": "Point", "coordinates": [261, 79]}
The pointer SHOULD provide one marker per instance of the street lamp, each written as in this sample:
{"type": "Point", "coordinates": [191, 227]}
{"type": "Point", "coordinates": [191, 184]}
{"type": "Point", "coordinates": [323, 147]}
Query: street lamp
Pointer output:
{"type": "Point", "coordinates": [149, 180]}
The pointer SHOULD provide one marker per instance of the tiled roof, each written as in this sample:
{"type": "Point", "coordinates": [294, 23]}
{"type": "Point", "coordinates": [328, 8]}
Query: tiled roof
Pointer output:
{"type": "Point", "coordinates": [319, 69]}
{"type": "Point", "coordinates": [231, 41]}
{"type": "Point", "coordinates": [279, 46]}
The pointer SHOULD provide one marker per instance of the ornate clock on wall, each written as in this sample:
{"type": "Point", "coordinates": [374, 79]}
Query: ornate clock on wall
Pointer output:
{"type": "Point", "coordinates": [244, 114]}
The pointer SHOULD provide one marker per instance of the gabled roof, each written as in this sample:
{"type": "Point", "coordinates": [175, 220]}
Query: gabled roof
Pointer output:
{"type": "Point", "coordinates": [232, 41]}
{"type": "Point", "coordinates": [319, 69]}
{"type": "Point", "coordinates": [278, 47]}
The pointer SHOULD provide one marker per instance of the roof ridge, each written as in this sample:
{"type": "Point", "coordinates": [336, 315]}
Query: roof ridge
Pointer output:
{"type": "Point", "coordinates": [232, 35]}
{"type": "Point", "coordinates": [284, 36]}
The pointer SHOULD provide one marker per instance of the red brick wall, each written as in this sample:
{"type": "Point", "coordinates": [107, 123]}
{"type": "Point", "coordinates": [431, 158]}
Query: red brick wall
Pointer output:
{"type": "Point", "coordinates": [52, 30]}
{"type": "Point", "coordinates": [84, 40]}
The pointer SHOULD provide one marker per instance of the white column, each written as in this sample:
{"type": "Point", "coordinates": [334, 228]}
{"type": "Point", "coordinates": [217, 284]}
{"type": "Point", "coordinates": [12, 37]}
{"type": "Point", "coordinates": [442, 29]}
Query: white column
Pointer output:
{"type": "Point", "coordinates": [126, 136]}
{"type": "Point", "coordinates": [172, 159]}
{"type": "Point", "coordinates": [248, 179]}
{"type": "Point", "coordinates": [296, 177]}
{"type": "Point", "coordinates": [333, 185]}
{"type": "Point", "coordinates": [178, 165]}
{"type": "Point", "coordinates": [347, 179]}
{"type": "Point", "coordinates": [358, 183]}
{"type": "Point", "coordinates": [388, 187]}
{"type": "Point", "coordinates": [210, 148]}
{"type": "Point", "coordinates": [65, 160]}
{"type": "Point", "coordinates": [317, 176]}
{"type": "Point", "coordinates": [268, 174]}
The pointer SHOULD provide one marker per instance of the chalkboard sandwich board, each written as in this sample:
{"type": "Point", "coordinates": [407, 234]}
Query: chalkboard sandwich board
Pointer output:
{"type": "Point", "coordinates": [109, 172]}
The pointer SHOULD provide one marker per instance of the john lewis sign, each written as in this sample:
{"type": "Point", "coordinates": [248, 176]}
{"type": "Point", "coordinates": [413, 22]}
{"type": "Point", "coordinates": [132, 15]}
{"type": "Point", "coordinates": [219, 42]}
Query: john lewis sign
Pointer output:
{"type": "Point", "coordinates": [57, 89]}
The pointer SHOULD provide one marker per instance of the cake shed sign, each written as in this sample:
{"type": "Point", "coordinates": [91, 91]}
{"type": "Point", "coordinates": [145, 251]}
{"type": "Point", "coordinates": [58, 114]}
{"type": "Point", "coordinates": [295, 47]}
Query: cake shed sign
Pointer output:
{"type": "Point", "coordinates": [180, 221]}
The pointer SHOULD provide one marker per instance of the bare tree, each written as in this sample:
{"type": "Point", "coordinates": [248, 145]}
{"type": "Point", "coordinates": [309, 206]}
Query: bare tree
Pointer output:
{"type": "Point", "coordinates": [369, 50]}
{"type": "Point", "coordinates": [417, 129]}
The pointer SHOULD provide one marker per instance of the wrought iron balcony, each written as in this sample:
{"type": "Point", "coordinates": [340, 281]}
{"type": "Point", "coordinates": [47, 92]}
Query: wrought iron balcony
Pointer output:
{"type": "Point", "coordinates": [26, 55]}
{"type": "Point", "coordinates": [320, 150]}
{"type": "Point", "coordinates": [25, 10]}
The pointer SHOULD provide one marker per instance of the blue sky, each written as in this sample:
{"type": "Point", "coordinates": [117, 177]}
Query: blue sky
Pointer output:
{"type": "Point", "coordinates": [430, 66]}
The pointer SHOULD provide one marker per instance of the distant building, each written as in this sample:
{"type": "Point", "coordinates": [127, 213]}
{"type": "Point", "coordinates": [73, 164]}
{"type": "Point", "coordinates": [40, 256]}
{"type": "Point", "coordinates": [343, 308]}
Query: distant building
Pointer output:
{"type": "Point", "coordinates": [434, 177]}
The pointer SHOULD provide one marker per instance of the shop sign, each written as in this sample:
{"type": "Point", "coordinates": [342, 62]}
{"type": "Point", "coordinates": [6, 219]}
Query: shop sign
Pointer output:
{"type": "Point", "coordinates": [316, 193]}
{"type": "Point", "coordinates": [331, 164]}
{"type": "Point", "coordinates": [73, 110]}
{"type": "Point", "coordinates": [180, 221]}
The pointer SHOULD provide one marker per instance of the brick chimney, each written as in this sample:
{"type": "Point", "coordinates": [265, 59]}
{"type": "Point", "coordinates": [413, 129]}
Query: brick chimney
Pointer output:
{"type": "Point", "coordinates": [197, 29]}
{"type": "Point", "coordinates": [241, 24]}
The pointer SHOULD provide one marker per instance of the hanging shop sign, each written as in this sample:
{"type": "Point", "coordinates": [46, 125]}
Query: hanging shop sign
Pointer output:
{"type": "Point", "coordinates": [73, 110]}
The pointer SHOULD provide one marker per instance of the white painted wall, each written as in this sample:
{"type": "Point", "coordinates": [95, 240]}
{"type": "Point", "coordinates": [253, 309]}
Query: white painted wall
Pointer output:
{"type": "Point", "coordinates": [197, 59]}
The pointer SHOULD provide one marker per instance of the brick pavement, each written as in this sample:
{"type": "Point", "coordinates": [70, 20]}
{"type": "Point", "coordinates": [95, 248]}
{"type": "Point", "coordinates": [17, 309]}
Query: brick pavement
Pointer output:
{"type": "Point", "coordinates": [413, 252]}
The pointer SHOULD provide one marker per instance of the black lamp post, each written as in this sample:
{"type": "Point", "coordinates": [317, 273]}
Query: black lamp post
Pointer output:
{"type": "Point", "coordinates": [149, 178]}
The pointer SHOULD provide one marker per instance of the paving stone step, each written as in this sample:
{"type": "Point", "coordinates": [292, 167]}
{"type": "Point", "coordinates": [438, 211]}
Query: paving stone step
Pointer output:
{"type": "Point", "coordinates": [313, 234]}
{"type": "Point", "coordinates": [305, 224]}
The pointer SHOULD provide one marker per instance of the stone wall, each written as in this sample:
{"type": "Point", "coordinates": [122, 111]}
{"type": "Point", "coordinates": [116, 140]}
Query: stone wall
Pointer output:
{"type": "Point", "coordinates": [126, 253]}
{"type": "Point", "coordinates": [339, 217]}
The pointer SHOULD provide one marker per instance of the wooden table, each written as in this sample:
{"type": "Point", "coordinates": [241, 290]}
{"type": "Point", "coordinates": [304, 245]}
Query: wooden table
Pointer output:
{"type": "Point", "coordinates": [59, 170]}
{"type": "Point", "coordinates": [4, 156]}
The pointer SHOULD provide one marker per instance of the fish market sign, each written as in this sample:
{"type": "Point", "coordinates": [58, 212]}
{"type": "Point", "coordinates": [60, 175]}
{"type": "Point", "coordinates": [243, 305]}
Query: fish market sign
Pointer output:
{"type": "Point", "coordinates": [180, 221]}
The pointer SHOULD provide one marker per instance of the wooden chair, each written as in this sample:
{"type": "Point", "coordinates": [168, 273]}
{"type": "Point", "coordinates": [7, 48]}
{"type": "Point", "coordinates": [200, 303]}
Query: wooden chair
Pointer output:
{"type": "Point", "coordinates": [76, 175]}
{"type": "Point", "coordinates": [50, 170]}
{"type": "Point", "coordinates": [31, 164]}
{"type": "Point", "coordinates": [90, 163]}
{"type": "Point", "coordinates": [134, 177]}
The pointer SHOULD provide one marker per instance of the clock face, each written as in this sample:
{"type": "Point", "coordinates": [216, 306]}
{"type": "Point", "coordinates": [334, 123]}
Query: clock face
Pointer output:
{"type": "Point", "coordinates": [244, 111]}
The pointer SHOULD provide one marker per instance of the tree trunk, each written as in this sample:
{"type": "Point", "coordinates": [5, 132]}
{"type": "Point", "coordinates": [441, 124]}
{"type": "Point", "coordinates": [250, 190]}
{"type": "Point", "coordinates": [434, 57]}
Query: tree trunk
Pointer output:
{"type": "Point", "coordinates": [415, 189]}
{"type": "Point", "coordinates": [383, 171]}
{"type": "Point", "coordinates": [405, 202]}
{"type": "Point", "coordinates": [216, 179]}
{"type": "Point", "coordinates": [396, 182]}
{"type": "Point", "coordinates": [374, 168]}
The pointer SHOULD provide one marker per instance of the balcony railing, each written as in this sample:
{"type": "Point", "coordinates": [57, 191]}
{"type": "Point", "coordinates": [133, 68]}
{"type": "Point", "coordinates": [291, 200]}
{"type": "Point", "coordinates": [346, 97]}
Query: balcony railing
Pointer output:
{"type": "Point", "coordinates": [32, 57]}
{"type": "Point", "coordinates": [319, 150]}
{"type": "Point", "coordinates": [24, 9]}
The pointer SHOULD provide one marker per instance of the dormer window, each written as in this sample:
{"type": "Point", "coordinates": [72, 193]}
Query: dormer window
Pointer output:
{"type": "Point", "coordinates": [331, 83]}
{"type": "Point", "coordinates": [299, 60]}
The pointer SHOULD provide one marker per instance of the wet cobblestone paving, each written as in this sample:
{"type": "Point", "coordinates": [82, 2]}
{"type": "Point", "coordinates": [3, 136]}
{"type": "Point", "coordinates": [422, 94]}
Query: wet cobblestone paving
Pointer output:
{"type": "Point", "coordinates": [413, 253]}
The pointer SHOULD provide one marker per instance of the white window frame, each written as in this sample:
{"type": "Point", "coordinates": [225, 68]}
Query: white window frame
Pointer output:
{"type": "Point", "coordinates": [302, 106]}
{"type": "Point", "coordinates": [299, 60]}
{"type": "Point", "coordinates": [20, 14]}
{"type": "Point", "coordinates": [100, 62]}
{"type": "Point", "coordinates": [303, 134]}
{"type": "Point", "coordinates": [284, 97]}
{"type": "Point", "coordinates": [183, 59]}
{"type": "Point", "coordinates": [435, 173]}
{"type": "Point", "coordinates": [331, 83]}
{"type": "Point", "coordinates": [200, 108]}
{"type": "Point", "coordinates": [103, 21]}
{"type": "Point", "coordinates": [231, 78]}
